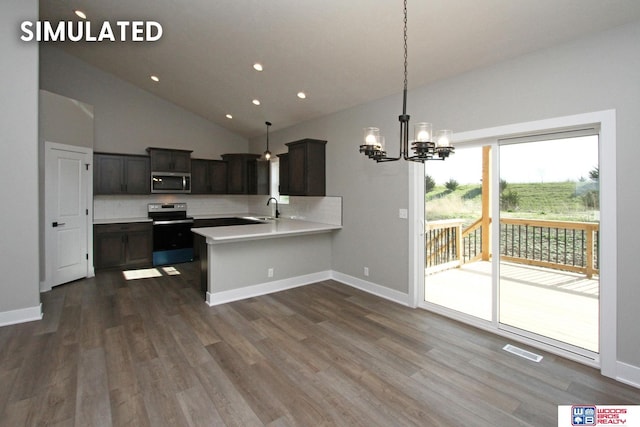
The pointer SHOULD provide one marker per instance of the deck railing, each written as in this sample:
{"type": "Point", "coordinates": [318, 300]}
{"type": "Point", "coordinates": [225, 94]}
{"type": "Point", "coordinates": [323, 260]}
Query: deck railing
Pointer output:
{"type": "Point", "coordinates": [561, 245]}
{"type": "Point", "coordinates": [443, 241]}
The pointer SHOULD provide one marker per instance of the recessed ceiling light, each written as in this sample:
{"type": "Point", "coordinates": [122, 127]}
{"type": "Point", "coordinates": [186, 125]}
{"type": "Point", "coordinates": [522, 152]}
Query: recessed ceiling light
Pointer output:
{"type": "Point", "coordinates": [80, 14]}
{"type": "Point", "coordinates": [302, 95]}
{"type": "Point", "coordinates": [229, 116]}
{"type": "Point", "coordinates": [257, 66]}
{"type": "Point", "coordinates": [256, 102]}
{"type": "Point", "coordinates": [155, 78]}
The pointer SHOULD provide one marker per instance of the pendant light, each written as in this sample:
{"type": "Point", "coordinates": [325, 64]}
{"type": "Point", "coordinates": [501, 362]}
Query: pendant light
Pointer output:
{"type": "Point", "coordinates": [267, 154]}
{"type": "Point", "coordinates": [425, 146]}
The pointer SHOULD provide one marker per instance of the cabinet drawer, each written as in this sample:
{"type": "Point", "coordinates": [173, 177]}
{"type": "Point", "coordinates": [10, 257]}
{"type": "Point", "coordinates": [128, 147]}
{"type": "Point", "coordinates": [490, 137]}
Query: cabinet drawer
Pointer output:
{"type": "Point", "coordinates": [123, 226]}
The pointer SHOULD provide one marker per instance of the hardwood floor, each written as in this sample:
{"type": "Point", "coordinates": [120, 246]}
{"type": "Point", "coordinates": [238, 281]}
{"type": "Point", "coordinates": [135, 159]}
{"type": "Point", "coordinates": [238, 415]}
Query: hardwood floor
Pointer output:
{"type": "Point", "coordinates": [150, 352]}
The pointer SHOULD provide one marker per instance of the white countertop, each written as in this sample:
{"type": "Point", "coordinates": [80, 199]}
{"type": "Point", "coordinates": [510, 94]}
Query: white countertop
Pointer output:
{"type": "Point", "coordinates": [120, 220]}
{"type": "Point", "coordinates": [282, 227]}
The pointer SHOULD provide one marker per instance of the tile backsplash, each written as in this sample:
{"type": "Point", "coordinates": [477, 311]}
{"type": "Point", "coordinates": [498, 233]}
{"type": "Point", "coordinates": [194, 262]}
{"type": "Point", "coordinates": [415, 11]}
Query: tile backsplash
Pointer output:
{"type": "Point", "coordinates": [327, 210]}
{"type": "Point", "coordinates": [109, 207]}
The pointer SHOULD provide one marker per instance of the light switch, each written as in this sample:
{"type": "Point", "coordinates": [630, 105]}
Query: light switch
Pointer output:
{"type": "Point", "coordinates": [402, 213]}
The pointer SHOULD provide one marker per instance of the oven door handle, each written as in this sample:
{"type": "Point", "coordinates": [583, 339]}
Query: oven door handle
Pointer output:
{"type": "Point", "coordinates": [173, 221]}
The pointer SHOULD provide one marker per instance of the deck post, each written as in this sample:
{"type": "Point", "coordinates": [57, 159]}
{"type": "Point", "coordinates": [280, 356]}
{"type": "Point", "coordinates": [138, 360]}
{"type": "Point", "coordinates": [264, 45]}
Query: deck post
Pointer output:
{"type": "Point", "coordinates": [589, 255]}
{"type": "Point", "coordinates": [486, 203]}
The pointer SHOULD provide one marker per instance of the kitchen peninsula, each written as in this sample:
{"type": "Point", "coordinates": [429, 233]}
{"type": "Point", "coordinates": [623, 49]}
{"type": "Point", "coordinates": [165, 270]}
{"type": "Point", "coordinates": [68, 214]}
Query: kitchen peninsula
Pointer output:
{"type": "Point", "coordinates": [244, 261]}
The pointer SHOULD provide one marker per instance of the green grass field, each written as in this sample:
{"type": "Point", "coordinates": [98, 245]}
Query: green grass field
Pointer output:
{"type": "Point", "coordinates": [562, 201]}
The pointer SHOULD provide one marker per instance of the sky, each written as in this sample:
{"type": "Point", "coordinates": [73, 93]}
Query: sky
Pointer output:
{"type": "Point", "coordinates": [543, 161]}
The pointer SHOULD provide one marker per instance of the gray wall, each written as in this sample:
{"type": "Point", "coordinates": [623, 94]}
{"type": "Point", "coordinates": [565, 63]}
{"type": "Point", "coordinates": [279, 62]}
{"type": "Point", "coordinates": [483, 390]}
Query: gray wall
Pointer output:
{"type": "Point", "coordinates": [129, 119]}
{"type": "Point", "coordinates": [597, 73]}
{"type": "Point", "coordinates": [243, 264]}
{"type": "Point", "coordinates": [19, 283]}
{"type": "Point", "coordinates": [64, 121]}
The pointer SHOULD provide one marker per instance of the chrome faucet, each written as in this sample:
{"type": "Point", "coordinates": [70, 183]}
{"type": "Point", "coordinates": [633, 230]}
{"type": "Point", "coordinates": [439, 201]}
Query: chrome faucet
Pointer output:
{"type": "Point", "coordinates": [275, 200]}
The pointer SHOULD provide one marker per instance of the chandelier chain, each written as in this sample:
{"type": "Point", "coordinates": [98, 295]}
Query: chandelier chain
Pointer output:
{"type": "Point", "coordinates": [405, 45]}
{"type": "Point", "coordinates": [424, 146]}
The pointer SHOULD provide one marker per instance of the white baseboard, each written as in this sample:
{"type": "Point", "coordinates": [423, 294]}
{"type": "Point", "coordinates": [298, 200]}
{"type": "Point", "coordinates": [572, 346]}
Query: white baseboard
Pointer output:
{"type": "Point", "coordinates": [628, 374]}
{"type": "Point", "coordinates": [265, 288]}
{"type": "Point", "coordinates": [44, 286]}
{"type": "Point", "coordinates": [372, 288]}
{"type": "Point", "coordinates": [22, 315]}
{"type": "Point", "coordinates": [293, 282]}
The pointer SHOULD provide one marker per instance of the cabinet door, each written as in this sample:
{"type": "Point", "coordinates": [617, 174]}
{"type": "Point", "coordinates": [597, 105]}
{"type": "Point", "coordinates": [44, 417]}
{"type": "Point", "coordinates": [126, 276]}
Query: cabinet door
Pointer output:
{"type": "Point", "coordinates": [137, 175]}
{"type": "Point", "coordinates": [139, 246]}
{"type": "Point", "coordinates": [109, 249]}
{"type": "Point", "coordinates": [284, 174]}
{"type": "Point", "coordinates": [315, 170]}
{"type": "Point", "coordinates": [121, 174]}
{"type": "Point", "coordinates": [167, 160]}
{"type": "Point", "coordinates": [241, 173]}
{"type": "Point", "coordinates": [297, 166]}
{"type": "Point", "coordinates": [251, 184]}
{"type": "Point", "coordinates": [263, 177]}
{"type": "Point", "coordinates": [108, 173]}
{"type": "Point", "coordinates": [218, 175]}
{"type": "Point", "coordinates": [161, 160]}
{"type": "Point", "coordinates": [307, 167]}
{"type": "Point", "coordinates": [181, 161]}
{"type": "Point", "coordinates": [236, 176]}
{"type": "Point", "coordinates": [200, 177]}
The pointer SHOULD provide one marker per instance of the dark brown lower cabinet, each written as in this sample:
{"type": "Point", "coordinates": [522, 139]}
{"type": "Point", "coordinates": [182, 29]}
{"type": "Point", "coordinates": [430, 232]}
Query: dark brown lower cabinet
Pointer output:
{"type": "Point", "coordinates": [122, 245]}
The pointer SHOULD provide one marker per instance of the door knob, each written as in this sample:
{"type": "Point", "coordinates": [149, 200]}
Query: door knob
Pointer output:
{"type": "Point", "coordinates": [57, 224]}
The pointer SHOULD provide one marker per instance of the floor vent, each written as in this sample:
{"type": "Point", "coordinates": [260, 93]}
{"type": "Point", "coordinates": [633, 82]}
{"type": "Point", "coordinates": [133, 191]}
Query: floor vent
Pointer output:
{"type": "Point", "coordinates": [522, 353]}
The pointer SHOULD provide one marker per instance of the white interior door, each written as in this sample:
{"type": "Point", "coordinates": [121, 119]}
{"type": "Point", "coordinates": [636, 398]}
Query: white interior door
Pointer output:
{"type": "Point", "coordinates": [66, 213]}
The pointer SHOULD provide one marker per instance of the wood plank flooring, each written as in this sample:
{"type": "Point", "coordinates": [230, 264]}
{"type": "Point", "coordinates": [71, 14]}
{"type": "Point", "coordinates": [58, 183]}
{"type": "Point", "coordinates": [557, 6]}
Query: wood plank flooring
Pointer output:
{"type": "Point", "coordinates": [150, 352]}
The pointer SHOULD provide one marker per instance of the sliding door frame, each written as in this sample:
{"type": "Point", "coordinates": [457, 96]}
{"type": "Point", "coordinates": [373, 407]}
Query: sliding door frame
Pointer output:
{"type": "Point", "coordinates": [606, 121]}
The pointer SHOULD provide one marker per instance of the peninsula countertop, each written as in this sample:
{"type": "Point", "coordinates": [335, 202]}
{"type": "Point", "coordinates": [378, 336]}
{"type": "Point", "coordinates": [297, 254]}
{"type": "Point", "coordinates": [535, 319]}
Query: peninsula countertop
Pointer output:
{"type": "Point", "coordinates": [281, 227]}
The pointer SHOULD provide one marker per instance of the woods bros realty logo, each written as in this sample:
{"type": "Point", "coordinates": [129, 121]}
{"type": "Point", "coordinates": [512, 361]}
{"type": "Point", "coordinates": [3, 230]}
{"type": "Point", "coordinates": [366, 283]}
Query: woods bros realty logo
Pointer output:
{"type": "Point", "coordinates": [82, 31]}
{"type": "Point", "coordinates": [598, 415]}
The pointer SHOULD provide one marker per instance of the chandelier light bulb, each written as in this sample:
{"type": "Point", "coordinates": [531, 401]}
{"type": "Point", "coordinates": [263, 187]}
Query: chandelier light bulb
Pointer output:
{"type": "Point", "coordinates": [423, 132]}
{"type": "Point", "coordinates": [372, 136]}
{"type": "Point", "coordinates": [444, 138]}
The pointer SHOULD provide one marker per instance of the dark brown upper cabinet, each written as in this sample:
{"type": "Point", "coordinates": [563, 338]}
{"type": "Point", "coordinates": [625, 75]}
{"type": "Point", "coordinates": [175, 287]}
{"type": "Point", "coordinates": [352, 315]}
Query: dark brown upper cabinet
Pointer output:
{"type": "Point", "coordinates": [245, 174]}
{"type": "Point", "coordinates": [121, 174]}
{"type": "Point", "coordinates": [208, 176]}
{"type": "Point", "coordinates": [283, 173]}
{"type": "Point", "coordinates": [307, 175]}
{"type": "Point", "coordinates": [169, 160]}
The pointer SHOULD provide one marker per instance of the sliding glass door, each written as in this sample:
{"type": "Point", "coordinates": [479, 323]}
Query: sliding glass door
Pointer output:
{"type": "Point", "coordinates": [549, 229]}
{"type": "Point", "coordinates": [512, 237]}
{"type": "Point", "coordinates": [457, 233]}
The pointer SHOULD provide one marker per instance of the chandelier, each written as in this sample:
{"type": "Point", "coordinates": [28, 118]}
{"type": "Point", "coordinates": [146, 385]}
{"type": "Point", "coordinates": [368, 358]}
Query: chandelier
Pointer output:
{"type": "Point", "coordinates": [425, 145]}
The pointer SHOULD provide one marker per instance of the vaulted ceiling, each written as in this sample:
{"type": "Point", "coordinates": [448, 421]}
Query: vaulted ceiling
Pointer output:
{"type": "Point", "coordinates": [340, 53]}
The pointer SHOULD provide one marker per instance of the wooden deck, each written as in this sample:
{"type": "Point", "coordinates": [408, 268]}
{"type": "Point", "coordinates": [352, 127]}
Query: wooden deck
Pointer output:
{"type": "Point", "coordinates": [556, 304]}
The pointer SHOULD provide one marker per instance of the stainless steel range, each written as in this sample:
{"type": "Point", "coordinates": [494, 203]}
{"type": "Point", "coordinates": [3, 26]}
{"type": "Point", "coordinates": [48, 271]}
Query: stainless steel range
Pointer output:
{"type": "Point", "coordinates": [172, 236]}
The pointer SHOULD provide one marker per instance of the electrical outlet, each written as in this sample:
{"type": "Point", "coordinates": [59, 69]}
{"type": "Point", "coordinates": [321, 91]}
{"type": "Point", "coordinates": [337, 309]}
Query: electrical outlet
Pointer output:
{"type": "Point", "coordinates": [403, 214]}
{"type": "Point", "coordinates": [270, 272]}
{"type": "Point", "coordinates": [366, 271]}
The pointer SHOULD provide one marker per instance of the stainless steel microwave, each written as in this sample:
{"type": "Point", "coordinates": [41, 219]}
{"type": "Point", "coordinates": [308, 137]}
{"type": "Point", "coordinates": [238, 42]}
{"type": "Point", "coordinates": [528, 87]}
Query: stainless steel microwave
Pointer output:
{"type": "Point", "coordinates": [170, 182]}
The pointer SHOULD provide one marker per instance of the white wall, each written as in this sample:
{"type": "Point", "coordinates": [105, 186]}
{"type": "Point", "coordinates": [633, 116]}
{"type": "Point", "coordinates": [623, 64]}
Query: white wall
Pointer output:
{"type": "Point", "coordinates": [129, 119]}
{"type": "Point", "coordinates": [593, 74]}
{"type": "Point", "coordinates": [19, 282]}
